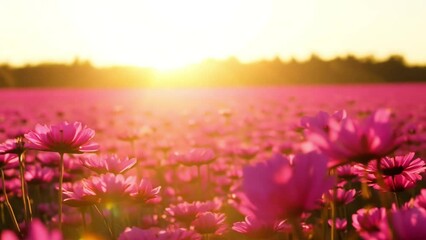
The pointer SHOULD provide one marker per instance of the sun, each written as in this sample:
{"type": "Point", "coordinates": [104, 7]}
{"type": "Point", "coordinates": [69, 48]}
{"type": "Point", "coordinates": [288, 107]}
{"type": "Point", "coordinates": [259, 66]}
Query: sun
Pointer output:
{"type": "Point", "coordinates": [164, 34]}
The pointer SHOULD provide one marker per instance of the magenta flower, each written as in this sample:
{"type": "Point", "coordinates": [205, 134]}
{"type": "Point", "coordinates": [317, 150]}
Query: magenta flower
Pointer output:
{"type": "Point", "coordinates": [143, 192]}
{"type": "Point", "coordinates": [371, 223]}
{"type": "Point", "coordinates": [341, 197]}
{"type": "Point", "coordinates": [38, 175]}
{"type": "Point", "coordinates": [399, 172]}
{"type": "Point", "coordinates": [136, 233]}
{"type": "Point", "coordinates": [111, 187]}
{"type": "Point", "coordinates": [409, 223]}
{"type": "Point", "coordinates": [62, 138]}
{"type": "Point", "coordinates": [179, 234]}
{"type": "Point", "coordinates": [257, 229]}
{"type": "Point", "coordinates": [341, 223]}
{"type": "Point", "coordinates": [78, 195]}
{"type": "Point", "coordinates": [15, 146]}
{"type": "Point", "coordinates": [420, 200]}
{"type": "Point", "coordinates": [36, 231]}
{"type": "Point", "coordinates": [107, 163]}
{"type": "Point", "coordinates": [321, 121]}
{"type": "Point", "coordinates": [353, 141]}
{"type": "Point", "coordinates": [210, 223]}
{"type": "Point", "coordinates": [186, 212]}
{"type": "Point", "coordinates": [198, 156]}
{"type": "Point", "coordinates": [8, 161]}
{"type": "Point", "coordinates": [267, 186]}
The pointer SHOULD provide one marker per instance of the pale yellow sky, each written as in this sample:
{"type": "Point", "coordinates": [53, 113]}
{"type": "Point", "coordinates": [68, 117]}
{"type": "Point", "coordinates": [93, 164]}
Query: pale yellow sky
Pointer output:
{"type": "Point", "coordinates": [172, 33]}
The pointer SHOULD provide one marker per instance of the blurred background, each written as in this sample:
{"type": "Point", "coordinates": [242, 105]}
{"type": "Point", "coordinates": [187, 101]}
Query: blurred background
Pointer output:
{"type": "Point", "coordinates": [204, 43]}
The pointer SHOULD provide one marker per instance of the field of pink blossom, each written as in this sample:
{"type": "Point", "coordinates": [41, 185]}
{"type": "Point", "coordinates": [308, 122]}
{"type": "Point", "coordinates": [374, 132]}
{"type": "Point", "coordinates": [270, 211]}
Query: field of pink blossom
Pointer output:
{"type": "Point", "coordinates": [306, 162]}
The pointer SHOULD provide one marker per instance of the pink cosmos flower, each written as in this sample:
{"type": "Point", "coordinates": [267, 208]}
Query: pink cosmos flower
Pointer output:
{"type": "Point", "coordinates": [62, 138]}
{"type": "Point", "coordinates": [371, 223]}
{"type": "Point", "coordinates": [136, 233]}
{"type": "Point", "coordinates": [321, 121]}
{"type": "Point", "coordinates": [420, 200]}
{"type": "Point", "coordinates": [341, 223]}
{"type": "Point", "coordinates": [257, 229]}
{"type": "Point", "coordinates": [38, 175]}
{"type": "Point", "coordinates": [111, 187]}
{"type": "Point", "coordinates": [353, 141]}
{"type": "Point", "coordinates": [210, 223]}
{"type": "Point", "coordinates": [186, 212]}
{"type": "Point", "coordinates": [409, 223]}
{"type": "Point", "coordinates": [15, 146]}
{"type": "Point", "coordinates": [342, 196]}
{"type": "Point", "coordinates": [107, 163]}
{"type": "Point", "coordinates": [36, 231]}
{"type": "Point", "coordinates": [78, 195]}
{"type": "Point", "coordinates": [399, 172]}
{"type": "Point", "coordinates": [179, 234]}
{"type": "Point", "coordinates": [144, 191]}
{"type": "Point", "coordinates": [198, 156]}
{"type": "Point", "coordinates": [8, 161]}
{"type": "Point", "coordinates": [267, 186]}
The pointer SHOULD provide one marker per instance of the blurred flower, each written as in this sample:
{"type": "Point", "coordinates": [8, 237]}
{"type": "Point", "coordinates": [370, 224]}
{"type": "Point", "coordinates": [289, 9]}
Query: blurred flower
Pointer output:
{"type": "Point", "coordinates": [15, 146]}
{"type": "Point", "coordinates": [8, 161]}
{"type": "Point", "coordinates": [110, 187]}
{"type": "Point", "coordinates": [198, 156]}
{"type": "Point", "coordinates": [210, 223]}
{"type": "Point", "coordinates": [258, 229]}
{"type": "Point", "coordinates": [341, 223]}
{"type": "Point", "coordinates": [62, 138]}
{"type": "Point", "coordinates": [179, 234]}
{"type": "Point", "coordinates": [107, 163]}
{"type": "Point", "coordinates": [38, 175]}
{"type": "Point", "coordinates": [409, 223]}
{"type": "Point", "coordinates": [268, 185]}
{"type": "Point", "coordinates": [186, 212]}
{"type": "Point", "coordinates": [136, 233]}
{"type": "Point", "coordinates": [36, 231]}
{"type": "Point", "coordinates": [351, 141]}
{"type": "Point", "coordinates": [371, 223]}
{"type": "Point", "coordinates": [78, 195]}
{"type": "Point", "coordinates": [144, 192]}
{"type": "Point", "coordinates": [341, 197]}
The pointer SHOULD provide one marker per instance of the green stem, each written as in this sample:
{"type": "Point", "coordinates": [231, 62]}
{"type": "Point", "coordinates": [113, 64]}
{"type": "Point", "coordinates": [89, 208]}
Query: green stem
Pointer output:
{"type": "Point", "coordinates": [396, 199]}
{"type": "Point", "coordinates": [61, 179]}
{"type": "Point", "coordinates": [105, 221]}
{"type": "Point", "coordinates": [23, 188]}
{"type": "Point", "coordinates": [9, 206]}
{"type": "Point", "coordinates": [297, 229]}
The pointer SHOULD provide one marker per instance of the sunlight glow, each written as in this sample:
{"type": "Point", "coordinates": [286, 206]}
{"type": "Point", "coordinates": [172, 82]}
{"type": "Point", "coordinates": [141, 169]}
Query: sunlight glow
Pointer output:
{"type": "Point", "coordinates": [166, 34]}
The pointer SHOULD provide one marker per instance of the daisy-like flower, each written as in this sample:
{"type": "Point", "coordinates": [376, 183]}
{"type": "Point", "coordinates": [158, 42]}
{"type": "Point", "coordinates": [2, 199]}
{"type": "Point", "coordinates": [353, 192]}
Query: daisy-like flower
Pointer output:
{"type": "Point", "coordinates": [341, 223]}
{"type": "Point", "coordinates": [179, 234]}
{"type": "Point", "coordinates": [78, 195]}
{"type": "Point", "coordinates": [198, 156]}
{"type": "Point", "coordinates": [15, 146]}
{"type": "Point", "coordinates": [110, 187]}
{"type": "Point", "coordinates": [342, 196]}
{"type": "Point", "coordinates": [258, 229]}
{"type": "Point", "coordinates": [371, 223]}
{"type": "Point", "coordinates": [8, 161]}
{"type": "Point", "coordinates": [144, 192]}
{"type": "Point", "coordinates": [210, 223]}
{"type": "Point", "coordinates": [136, 233]}
{"type": "Point", "coordinates": [399, 172]}
{"type": "Point", "coordinates": [107, 163]}
{"type": "Point", "coordinates": [186, 212]}
{"type": "Point", "coordinates": [62, 138]}
{"type": "Point", "coordinates": [349, 140]}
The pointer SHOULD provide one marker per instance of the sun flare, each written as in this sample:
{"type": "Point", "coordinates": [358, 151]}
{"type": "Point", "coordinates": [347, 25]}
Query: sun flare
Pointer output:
{"type": "Point", "coordinates": [166, 34]}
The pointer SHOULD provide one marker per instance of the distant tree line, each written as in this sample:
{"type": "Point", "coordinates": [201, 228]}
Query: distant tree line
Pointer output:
{"type": "Point", "coordinates": [211, 73]}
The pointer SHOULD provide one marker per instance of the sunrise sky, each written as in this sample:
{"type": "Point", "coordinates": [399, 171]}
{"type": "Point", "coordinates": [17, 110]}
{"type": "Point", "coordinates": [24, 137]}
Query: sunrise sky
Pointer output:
{"type": "Point", "coordinates": [174, 33]}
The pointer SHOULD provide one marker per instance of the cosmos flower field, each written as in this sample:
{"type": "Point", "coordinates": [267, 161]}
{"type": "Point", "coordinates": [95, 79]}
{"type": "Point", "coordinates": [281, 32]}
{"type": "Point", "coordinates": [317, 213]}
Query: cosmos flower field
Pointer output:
{"type": "Point", "coordinates": [317, 162]}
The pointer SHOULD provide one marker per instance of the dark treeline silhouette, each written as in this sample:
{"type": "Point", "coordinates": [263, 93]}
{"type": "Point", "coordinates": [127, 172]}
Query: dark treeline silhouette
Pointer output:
{"type": "Point", "coordinates": [211, 73]}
